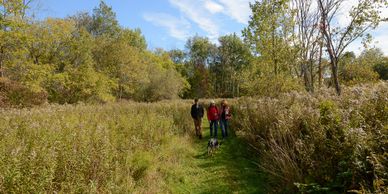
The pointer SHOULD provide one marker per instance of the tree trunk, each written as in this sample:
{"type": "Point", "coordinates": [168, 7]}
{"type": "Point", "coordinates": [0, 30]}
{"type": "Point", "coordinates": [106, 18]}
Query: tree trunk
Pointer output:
{"type": "Point", "coordinates": [330, 49]}
{"type": "Point", "coordinates": [237, 88]}
{"type": "Point", "coordinates": [1, 62]}
{"type": "Point", "coordinates": [306, 77]}
{"type": "Point", "coordinates": [320, 66]}
{"type": "Point", "coordinates": [334, 69]}
{"type": "Point", "coordinates": [311, 75]}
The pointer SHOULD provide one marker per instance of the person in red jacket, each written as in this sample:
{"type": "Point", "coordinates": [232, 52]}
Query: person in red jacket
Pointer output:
{"type": "Point", "coordinates": [213, 117]}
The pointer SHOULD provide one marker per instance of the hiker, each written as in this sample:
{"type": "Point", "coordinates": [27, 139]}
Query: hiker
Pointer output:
{"type": "Point", "coordinates": [197, 114]}
{"type": "Point", "coordinates": [225, 115]}
{"type": "Point", "coordinates": [213, 117]}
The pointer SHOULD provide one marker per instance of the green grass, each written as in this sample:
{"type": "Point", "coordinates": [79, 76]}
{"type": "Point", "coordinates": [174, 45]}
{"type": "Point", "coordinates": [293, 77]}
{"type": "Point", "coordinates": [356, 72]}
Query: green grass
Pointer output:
{"type": "Point", "coordinates": [118, 148]}
{"type": "Point", "coordinates": [232, 169]}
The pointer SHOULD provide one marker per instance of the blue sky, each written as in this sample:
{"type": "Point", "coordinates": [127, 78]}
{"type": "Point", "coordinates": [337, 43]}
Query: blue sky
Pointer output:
{"type": "Point", "coordinates": [165, 23]}
{"type": "Point", "coordinates": [168, 23]}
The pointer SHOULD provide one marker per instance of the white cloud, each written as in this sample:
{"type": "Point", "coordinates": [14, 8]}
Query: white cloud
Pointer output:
{"type": "Point", "coordinates": [381, 38]}
{"type": "Point", "coordinates": [177, 27]}
{"type": "Point", "coordinates": [206, 14]}
{"type": "Point", "coordinates": [196, 12]}
{"type": "Point", "coordinates": [213, 7]}
{"type": "Point", "coordinates": [238, 10]}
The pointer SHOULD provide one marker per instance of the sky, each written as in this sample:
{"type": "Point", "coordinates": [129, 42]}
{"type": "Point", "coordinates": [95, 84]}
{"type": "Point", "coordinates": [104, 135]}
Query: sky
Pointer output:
{"type": "Point", "coordinates": [168, 24]}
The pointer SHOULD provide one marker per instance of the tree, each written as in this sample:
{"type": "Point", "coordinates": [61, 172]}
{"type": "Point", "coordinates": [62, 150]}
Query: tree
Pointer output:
{"type": "Point", "coordinates": [177, 56]}
{"type": "Point", "coordinates": [371, 57]}
{"type": "Point", "coordinates": [134, 38]}
{"type": "Point", "coordinates": [164, 81]}
{"type": "Point", "coordinates": [104, 21]}
{"type": "Point", "coordinates": [233, 57]}
{"type": "Point", "coordinates": [202, 54]}
{"type": "Point", "coordinates": [363, 17]}
{"type": "Point", "coordinates": [307, 41]}
{"type": "Point", "coordinates": [382, 69]}
{"type": "Point", "coordinates": [12, 13]}
{"type": "Point", "coordinates": [82, 20]}
{"type": "Point", "coordinates": [269, 33]}
{"type": "Point", "coordinates": [14, 8]}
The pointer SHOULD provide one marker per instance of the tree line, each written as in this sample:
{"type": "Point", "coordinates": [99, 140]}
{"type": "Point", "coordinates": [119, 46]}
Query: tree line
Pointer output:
{"type": "Point", "coordinates": [84, 57]}
{"type": "Point", "coordinates": [287, 45]}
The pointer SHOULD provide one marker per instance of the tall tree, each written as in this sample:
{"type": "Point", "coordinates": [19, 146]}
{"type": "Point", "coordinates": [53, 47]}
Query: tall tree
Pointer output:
{"type": "Point", "coordinates": [307, 39]}
{"type": "Point", "coordinates": [104, 21]}
{"type": "Point", "coordinates": [83, 20]}
{"type": "Point", "coordinates": [234, 56]}
{"type": "Point", "coordinates": [270, 31]}
{"type": "Point", "coordinates": [12, 13]}
{"type": "Point", "coordinates": [365, 15]}
{"type": "Point", "coordinates": [202, 53]}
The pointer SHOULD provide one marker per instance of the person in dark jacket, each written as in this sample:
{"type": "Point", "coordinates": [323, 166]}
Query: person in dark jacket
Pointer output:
{"type": "Point", "coordinates": [197, 114]}
{"type": "Point", "coordinates": [213, 117]}
{"type": "Point", "coordinates": [225, 117]}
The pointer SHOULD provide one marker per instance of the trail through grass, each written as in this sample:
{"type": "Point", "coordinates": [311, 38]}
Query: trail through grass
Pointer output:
{"type": "Point", "coordinates": [119, 148]}
{"type": "Point", "coordinates": [231, 169]}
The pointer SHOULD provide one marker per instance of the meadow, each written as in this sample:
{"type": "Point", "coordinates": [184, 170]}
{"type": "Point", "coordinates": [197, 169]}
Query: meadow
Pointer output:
{"type": "Point", "coordinates": [296, 142]}
{"type": "Point", "coordinates": [123, 147]}
{"type": "Point", "coordinates": [321, 142]}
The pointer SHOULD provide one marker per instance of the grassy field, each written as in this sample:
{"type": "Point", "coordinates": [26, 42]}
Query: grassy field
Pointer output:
{"type": "Point", "coordinates": [118, 148]}
{"type": "Point", "coordinates": [297, 142]}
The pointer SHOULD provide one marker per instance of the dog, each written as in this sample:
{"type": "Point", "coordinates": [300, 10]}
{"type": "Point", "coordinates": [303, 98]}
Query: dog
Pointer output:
{"type": "Point", "coordinates": [212, 145]}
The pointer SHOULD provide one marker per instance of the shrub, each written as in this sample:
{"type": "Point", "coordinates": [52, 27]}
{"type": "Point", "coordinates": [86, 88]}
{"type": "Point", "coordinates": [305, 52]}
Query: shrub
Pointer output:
{"type": "Point", "coordinates": [271, 85]}
{"type": "Point", "coordinates": [14, 94]}
{"type": "Point", "coordinates": [353, 74]}
{"type": "Point", "coordinates": [382, 70]}
{"type": "Point", "coordinates": [320, 143]}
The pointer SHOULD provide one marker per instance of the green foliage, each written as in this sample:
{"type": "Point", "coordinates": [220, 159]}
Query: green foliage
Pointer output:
{"type": "Point", "coordinates": [382, 70]}
{"type": "Point", "coordinates": [320, 143]}
{"type": "Point", "coordinates": [257, 80]}
{"type": "Point", "coordinates": [269, 32]}
{"type": "Point", "coordinates": [355, 74]}
{"type": "Point", "coordinates": [361, 69]}
{"type": "Point", "coordinates": [134, 38]}
{"type": "Point", "coordinates": [233, 57]}
{"type": "Point", "coordinates": [163, 81]}
{"type": "Point", "coordinates": [201, 53]}
{"type": "Point", "coordinates": [271, 86]}
{"type": "Point", "coordinates": [85, 58]}
{"type": "Point", "coordinates": [13, 94]}
{"type": "Point", "coordinates": [104, 21]}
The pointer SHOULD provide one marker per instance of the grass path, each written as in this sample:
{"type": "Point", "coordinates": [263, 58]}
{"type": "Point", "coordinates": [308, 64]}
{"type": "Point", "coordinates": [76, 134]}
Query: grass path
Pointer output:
{"type": "Point", "coordinates": [231, 169]}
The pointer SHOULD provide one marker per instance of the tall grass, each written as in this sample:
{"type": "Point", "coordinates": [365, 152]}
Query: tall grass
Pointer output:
{"type": "Point", "coordinates": [118, 148]}
{"type": "Point", "coordinates": [320, 143]}
{"type": "Point", "coordinates": [308, 143]}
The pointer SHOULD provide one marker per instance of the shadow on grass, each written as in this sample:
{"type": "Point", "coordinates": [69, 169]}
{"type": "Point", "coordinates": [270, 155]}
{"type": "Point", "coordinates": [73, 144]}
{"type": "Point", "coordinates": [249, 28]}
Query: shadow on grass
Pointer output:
{"type": "Point", "coordinates": [232, 168]}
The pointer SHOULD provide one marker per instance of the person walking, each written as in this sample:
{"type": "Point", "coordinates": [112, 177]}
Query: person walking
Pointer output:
{"type": "Point", "coordinates": [225, 115]}
{"type": "Point", "coordinates": [213, 117]}
{"type": "Point", "coordinates": [197, 114]}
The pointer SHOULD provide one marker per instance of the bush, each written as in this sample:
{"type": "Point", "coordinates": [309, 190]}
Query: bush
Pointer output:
{"type": "Point", "coordinates": [320, 143]}
{"type": "Point", "coordinates": [382, 70]}
{"type": "Point", "coordinates": [353, 74]}
{"type": "Point", "coordinates": [14, 94]}
{"type": "Point", "coordinates": [271, 85]}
